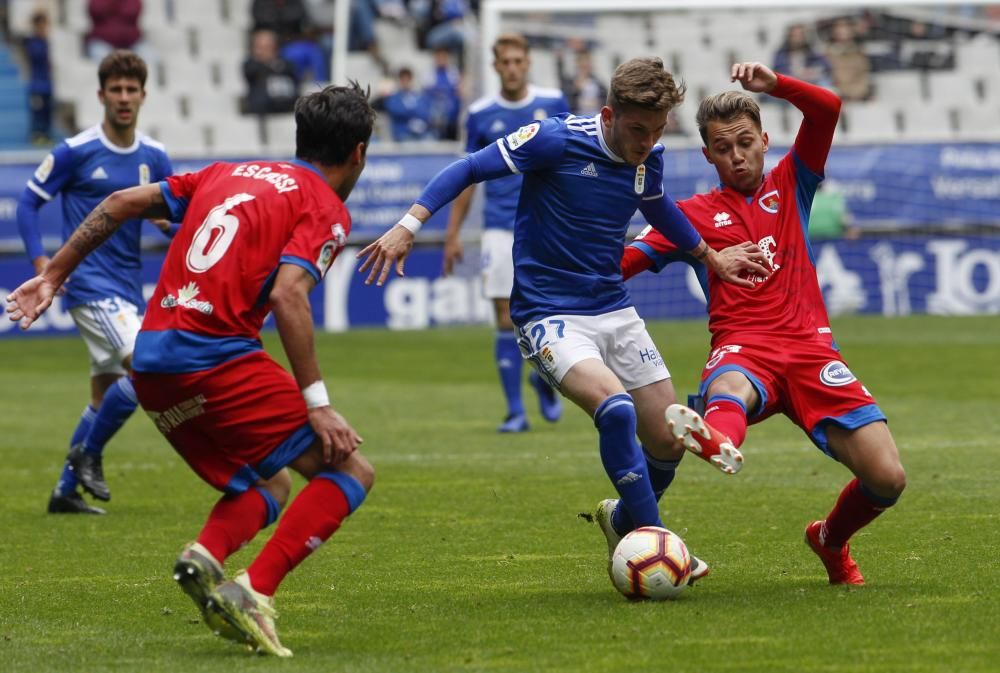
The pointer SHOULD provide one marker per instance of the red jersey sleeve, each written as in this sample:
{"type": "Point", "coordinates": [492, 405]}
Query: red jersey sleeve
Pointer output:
{"type": "Point", "coordinates": [820, 111]}
{"type": "Point", "coordinates": [319, 236]}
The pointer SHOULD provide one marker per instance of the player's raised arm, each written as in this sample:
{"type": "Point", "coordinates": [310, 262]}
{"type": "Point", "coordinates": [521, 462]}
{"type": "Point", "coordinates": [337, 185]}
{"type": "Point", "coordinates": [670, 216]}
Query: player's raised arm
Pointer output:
{"type": "Point", "coordinates": [820, 109]}
{"type": "Point", "coordinates": [32, 298]}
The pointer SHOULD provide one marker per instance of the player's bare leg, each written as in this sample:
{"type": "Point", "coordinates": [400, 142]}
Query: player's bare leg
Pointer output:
{"type": "Point", "coordinates": [871, 454]}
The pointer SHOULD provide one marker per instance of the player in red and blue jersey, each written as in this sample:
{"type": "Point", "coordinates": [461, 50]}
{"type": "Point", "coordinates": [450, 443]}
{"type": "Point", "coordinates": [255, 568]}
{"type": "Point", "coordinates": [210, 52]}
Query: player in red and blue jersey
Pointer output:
{"type": "Point", "coordinates": [104, 296]}
{"type": "Point", "coordinates": [772, 348]}
{"type": "Point", "coordinates": [255, 238]}
{"type": "Point", "coordinates": [490, 118]}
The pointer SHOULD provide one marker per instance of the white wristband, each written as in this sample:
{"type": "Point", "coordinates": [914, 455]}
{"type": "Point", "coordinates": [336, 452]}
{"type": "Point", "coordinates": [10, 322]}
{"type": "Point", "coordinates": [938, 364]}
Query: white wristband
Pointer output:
{"type": "Point", "coordinates": [410, 223]}
{"type": "Point", "coordinates": [315, 395]}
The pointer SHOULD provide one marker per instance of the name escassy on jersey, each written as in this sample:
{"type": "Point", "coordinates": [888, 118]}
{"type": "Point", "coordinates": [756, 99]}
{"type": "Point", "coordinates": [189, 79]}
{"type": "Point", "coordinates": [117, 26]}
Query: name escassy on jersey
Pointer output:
{"type": "Point", "coordinates": [283, 183]}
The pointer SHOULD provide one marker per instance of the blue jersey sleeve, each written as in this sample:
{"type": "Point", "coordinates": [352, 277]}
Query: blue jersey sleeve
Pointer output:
{"type": "Point", "coordinates": [48, 179]}
{"type": "Point", "coordinates": [486, 164]}
{"type": "Point", "coordinates": [473, 139]}
{"type": "Point", "coordinates": [664, 215]}
{"type": "Point", "coordinates": [176, 205]}
{"type": "Point", "coordinates": [537, 146]}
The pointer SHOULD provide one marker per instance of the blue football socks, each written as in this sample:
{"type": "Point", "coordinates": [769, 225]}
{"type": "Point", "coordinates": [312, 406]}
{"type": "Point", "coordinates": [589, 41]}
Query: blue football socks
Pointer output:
{"type": "Point", "coordinates": [661, 473]}
{"type": "Point", "coordinates": [509, 363]}
{"type": "Point", "coordinates": [624, 461]}
{"type": "Point", "coordinates": [67, 479]}
{"type": "Point", "coordinates": [119, 403]}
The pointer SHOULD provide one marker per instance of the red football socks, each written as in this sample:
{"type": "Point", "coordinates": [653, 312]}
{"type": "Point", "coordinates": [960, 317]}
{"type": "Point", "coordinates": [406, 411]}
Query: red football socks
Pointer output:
{"type": "Point", "coordinates": [854, 510]}
{"type": "Point", "coordinates": [233, 522]}
{"type": "Point", "coordinates": [728, 417]}
{"type": "Point", "coordinates": [314, 515]}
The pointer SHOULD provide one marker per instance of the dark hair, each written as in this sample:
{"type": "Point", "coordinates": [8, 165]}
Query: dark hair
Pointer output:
{"type": "Point", "coordinates": [644, 83]}
{"type": "Point", "coordinates": [330, 123]}
{"type": "Point", "coordinates": [122, 63]}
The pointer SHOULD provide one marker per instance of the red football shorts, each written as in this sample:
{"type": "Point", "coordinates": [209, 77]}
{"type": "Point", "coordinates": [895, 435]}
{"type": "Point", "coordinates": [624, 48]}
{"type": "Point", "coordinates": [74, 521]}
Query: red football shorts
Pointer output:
{"type": "Point", "coordinates": [233, 424]}
{"type": "Point", "coordinates": [807, 381]}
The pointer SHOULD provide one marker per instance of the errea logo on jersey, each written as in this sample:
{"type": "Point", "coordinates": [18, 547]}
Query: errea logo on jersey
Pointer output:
{"type": "Point", "coordinates": [522, 135]}
{"type": "Point", "coordinates": [722, 219]}
{"type": "Point", "coordinates": [835, 373]}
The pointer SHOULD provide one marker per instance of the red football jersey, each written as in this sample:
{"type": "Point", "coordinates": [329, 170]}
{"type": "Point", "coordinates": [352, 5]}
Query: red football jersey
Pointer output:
{"type": "Point", "coordinates": [789, 302]}
{"type": "Point", "coordinates": [240, 222]}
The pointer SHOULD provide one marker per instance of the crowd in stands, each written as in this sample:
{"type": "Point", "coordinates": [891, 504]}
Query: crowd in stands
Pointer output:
{"type": "Point", "coordinates": [289, 45]}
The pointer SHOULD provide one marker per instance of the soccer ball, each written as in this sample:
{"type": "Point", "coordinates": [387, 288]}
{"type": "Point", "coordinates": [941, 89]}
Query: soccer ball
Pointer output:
{"type": "Point", "coordinates": [651, 562]}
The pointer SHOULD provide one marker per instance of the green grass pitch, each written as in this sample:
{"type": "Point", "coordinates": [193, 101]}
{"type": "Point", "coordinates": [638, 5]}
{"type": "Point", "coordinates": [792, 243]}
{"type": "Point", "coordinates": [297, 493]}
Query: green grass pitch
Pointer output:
{"type": "Point", "coordinates": [470, 554]}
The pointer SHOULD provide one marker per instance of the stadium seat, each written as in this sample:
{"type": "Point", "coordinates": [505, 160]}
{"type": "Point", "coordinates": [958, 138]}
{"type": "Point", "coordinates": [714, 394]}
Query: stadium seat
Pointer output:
{"type": "Point", "coordinates": [979, 122]}
{"type": "Point", "coordinates": [235, 138]}
{"type": "Point", "coordinates": [279, 132]}
{"type": "Point", "coordinates": [899, 87]}
{"type": "Point", "coordinates": [871, 122]}
{"type": "Point", "coordinates": [182, 139]}
{"type": "Point", "coordinates": [927, 122]}
{"type": "Point", "coordinates": [979, 55]}
{"type": "Point", "coordinates": [953, 88]}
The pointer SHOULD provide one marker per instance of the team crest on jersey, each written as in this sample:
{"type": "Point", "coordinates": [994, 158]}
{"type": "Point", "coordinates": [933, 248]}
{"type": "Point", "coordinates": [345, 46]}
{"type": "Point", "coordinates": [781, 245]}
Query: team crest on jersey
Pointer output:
{"type": "Point", "coordinates": [836, 373]}
{"type": "Point", "coordinates": [640, 178]}
{"type": "Point", "coordinates": [44, 169]}
{"type": "Point", "coordinates": [522, 135]}
{"type": "Point", "coordinates": [143, 174]}
{"type": "Point", "coordinates": [770, 202]}
{"type": "Point", "coordinates": [540, 114]}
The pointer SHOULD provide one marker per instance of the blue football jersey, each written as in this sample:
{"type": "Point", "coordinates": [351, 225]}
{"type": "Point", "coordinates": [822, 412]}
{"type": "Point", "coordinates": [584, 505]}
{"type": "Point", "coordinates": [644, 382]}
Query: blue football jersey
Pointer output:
{"type": "Point", "coordinates": [574, 210]}
{"type": "Point", "coordinates": [85, 169]}
{"type": "Point", "coordinates": [494, 117]}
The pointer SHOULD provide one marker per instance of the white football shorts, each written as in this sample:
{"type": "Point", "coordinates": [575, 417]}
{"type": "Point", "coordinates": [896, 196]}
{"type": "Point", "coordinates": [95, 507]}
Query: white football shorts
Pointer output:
{"type": "Point", "coordinates": [108, 327]}
{"type": "Point", "coordinates": [497, 263]}
{"type": "Point", "coordinates": [619, 339]}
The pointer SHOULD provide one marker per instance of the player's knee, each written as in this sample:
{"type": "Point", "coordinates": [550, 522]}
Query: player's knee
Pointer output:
{"type": "Point", "coordinates": [893, 480]}
{"type": "Point", "coordinates": [279, 487]}
{"type": "Point", "coordinates": [362, 470]}
{"type": "Point", "coordinates": [617, 411]}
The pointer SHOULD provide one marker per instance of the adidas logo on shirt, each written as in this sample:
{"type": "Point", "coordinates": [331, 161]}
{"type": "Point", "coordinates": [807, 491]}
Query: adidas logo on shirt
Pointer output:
{"type": "Point", "coordinates": [99, 174]}
{"type": "Point", "coordinates": [589, 170]}
{"type": "Point", "coordinates": [722, 219]}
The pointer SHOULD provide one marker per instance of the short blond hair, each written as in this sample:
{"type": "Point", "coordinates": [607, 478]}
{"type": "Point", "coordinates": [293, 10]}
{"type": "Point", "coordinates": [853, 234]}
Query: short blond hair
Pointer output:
{"type": "Point", "coordinates": [644, 83]}
{"type": "Point", "coordinates": [515, 40]}
{"type": "Point", "coordinates": [725, 107]}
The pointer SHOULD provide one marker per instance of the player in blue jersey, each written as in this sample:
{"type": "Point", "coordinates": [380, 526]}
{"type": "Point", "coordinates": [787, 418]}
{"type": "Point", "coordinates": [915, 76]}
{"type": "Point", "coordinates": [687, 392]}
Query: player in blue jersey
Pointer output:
{"type": "Point", "coordinates": [104, 296]}
{"type": "Point", "coordinates": [488, 120]}
{"type": "Point", "coordinates": [584, 178]}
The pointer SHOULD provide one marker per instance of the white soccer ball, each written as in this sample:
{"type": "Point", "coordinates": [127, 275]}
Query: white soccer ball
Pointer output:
{"type": "Point", "coordinates": [651, 562]}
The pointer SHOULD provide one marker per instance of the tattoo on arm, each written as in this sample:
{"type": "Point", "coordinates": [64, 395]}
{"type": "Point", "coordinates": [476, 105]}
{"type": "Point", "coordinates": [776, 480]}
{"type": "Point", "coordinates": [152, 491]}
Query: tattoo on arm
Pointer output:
{"type": "Point", "coordinates": [93, 231]}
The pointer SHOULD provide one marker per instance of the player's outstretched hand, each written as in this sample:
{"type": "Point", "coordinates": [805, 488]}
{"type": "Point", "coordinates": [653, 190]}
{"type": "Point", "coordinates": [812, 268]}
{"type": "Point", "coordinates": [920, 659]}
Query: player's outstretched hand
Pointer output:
{"type": "Point", "coordinates": [338, 437]}
{"type": "Point", "coordinates": [30, 300]}
{"type": "Point", "coordinates": [753, 76]}
{"type": "Point", "coordinates": [391, 248]}
{"type": "Point", "coordinates": [454, 252]}
{"type": "Point", "coordinates": [734, 263]}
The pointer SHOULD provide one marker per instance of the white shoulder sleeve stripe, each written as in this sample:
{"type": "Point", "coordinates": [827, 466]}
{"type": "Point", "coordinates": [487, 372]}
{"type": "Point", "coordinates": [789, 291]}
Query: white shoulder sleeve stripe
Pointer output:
{"type": "Point", "coordinates": [506, 157]}
{"type": "Point", "coordinates": [38, 190]}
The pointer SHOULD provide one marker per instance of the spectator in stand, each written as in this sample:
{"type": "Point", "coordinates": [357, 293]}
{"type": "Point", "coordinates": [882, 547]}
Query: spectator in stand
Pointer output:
{"type": "Point", "coordinates": [306, 55]}
{"type": "Point", "coordinates": [585, 94]}
{"type": "Point", "coordinates": [36, 50]}
{"type": "Point", "coordinates": [287, 18]}
{"type": "Point", "coordinates": [441, 25]}
{"type": "Point", "coordinates": [849, 65]}
{"type": "Point", "coordinates": [799, 58]}
{"type": "Point", "coordinates": [115, 25]}
{"type": "Point", "coordinates": [408, 110]}
{"type": "Point", "coordinates": [361, 33]}
{"type": "Point", "coordinates": [442, 88]}
{"type": "Point", "coordinates": [271, 82]}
